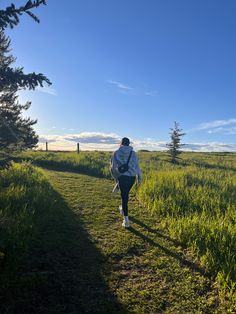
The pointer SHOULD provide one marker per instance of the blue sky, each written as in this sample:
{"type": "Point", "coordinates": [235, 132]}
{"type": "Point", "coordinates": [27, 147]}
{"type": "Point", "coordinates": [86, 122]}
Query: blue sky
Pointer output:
{"type": "Point", "coordinates": [132, 68]}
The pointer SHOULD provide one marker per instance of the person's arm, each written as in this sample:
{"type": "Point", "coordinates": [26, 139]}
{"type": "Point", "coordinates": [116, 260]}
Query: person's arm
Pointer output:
{"type": "Point", "coordinates": [114, 167]}
{"type": "Point", "coordinates": [138, 170]}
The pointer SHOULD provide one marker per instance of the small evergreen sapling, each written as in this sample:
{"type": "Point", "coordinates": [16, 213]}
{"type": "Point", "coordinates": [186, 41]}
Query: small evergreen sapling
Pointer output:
{"type": "Point", "coordinates": [175, 144]}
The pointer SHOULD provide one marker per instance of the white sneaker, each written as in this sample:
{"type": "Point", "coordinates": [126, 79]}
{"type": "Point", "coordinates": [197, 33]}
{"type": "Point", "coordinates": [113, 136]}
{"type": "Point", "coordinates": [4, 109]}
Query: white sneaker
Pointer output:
{"type": "Point", "coordinates": [125, 222]}
{"type": "Point", "coordinates": [121, 210]}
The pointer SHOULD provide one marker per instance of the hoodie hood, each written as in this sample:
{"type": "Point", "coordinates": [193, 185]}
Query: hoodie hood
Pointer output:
{"type": "Point", "coordinates": [122, 154]}
{"type": "Point", "coordinates": [125, 149]}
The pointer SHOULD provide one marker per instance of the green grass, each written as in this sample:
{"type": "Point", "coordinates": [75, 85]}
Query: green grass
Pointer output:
{"type": "Point", "coordinates": [195, 198]}
{"type": "Point", "coordinates": [197, 206]}
{"type": "Point", "coordinates": [81, 260]}
{"type": "Point", "coordinates": [92, 163]}
{"type": "Point", "coordinates": [23, 197]}
{"type": "Point", "coordinates": [50, 264]}
{"type": "Point", "coordinates": [63, 237]}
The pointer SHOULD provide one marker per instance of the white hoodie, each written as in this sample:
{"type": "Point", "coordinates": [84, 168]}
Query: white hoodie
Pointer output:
{"type": "Point", "coordinates": [120, 157]}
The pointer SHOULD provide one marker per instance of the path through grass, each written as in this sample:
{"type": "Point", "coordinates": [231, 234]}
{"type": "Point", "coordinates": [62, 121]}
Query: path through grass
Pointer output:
{"type": "Point", "coordinates": [142, 268]}
{"type": "Point", "coordinates": [82, 261]}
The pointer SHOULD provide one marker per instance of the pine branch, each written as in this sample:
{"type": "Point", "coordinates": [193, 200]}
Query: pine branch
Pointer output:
{"type": "Point", "coordinates": [16, 132]}
{"type": "Point", "coordinates": [10, 16]}
{"type": "Point", "coordinates": [16, 79]}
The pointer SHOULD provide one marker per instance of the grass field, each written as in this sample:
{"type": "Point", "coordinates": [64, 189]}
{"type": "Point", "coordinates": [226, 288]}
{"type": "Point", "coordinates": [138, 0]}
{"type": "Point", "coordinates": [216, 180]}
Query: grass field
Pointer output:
{"type": "Point", "coordinates": [61, 235]}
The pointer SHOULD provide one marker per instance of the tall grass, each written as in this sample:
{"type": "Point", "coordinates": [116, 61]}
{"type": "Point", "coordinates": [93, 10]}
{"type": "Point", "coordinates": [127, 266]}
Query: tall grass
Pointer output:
{"type": "Point", "coordinates": [197, 204]}
{"type": "Point", "coordinates": [91, 163]}
{"type": "Point", "coordinates": [196, 199]}
{"type": "Point", "coordinates": [24, 196]}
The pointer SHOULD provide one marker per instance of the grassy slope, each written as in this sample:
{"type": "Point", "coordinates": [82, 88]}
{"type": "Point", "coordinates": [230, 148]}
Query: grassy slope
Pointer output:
{"type": "Point", "coordinates": [82, 261]}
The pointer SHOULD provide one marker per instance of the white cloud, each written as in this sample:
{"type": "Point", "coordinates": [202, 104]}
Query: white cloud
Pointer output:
{"type": "Point", "coordinates": [216, 126]}
{"type": "Point", "coordinates": [47, 90]}
{"type": "Point", "coordinates": [126, 89]}
{"type": "Point", "coordinates": [120, 85]}
{"type": "Point", "coordinates": [93, 138]}
{"type": "Point", "coordinates": [110, 142]}
{"type": "Point", "coordinates": [226, 131]}
{"type": "Point", "coordinates": [87, 140]}
{"type": "Point", "coordinates": [210, 147]}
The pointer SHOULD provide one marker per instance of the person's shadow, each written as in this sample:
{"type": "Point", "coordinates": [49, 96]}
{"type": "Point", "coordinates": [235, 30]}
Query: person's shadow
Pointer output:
{"type": "Point", "coordinates": [190, 264]}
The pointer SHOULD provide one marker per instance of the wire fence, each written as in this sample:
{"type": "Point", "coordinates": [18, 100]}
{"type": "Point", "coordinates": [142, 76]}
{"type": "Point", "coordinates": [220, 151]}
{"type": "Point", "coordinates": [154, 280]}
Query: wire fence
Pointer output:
{"type": "Point", "coordinates": [76, 147]}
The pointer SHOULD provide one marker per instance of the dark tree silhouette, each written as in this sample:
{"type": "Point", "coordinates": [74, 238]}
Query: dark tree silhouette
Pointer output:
{"type": "Point", "coordinates": [10, 17]}
{"type": "Point", "coordinates": [16, 132]}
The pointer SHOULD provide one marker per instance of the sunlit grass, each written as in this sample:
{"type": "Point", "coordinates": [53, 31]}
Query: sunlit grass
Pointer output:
{"type": "Point", "coordinates": [198, 208]}
{"type": "Point", "coordinates": [92, 163]}
{"type": "Point", "coordinates": [24, 196]}
{"type": "Point", "coordinates": [195, 199]}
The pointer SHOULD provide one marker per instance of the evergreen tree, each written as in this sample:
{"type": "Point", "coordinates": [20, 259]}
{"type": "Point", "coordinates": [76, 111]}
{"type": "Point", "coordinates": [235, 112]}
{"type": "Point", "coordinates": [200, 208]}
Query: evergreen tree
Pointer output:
{"type": "Point", "coordinates": [10, 16]}
{"type": "Point", "coordinates": [175, 144]}
{"type": "Point", "coordinates": [16, 132]}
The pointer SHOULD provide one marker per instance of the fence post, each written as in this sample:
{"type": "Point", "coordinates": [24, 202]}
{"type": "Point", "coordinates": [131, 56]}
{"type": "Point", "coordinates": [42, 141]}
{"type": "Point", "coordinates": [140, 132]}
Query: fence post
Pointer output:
{"type": "Point", "coordinates": [46, 146]}
{"type": "Point", "coordinates": [78, 148]}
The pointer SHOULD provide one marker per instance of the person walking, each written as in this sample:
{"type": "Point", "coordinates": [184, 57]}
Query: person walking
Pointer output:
{"type": "Point", "coordinates": [125, 170]}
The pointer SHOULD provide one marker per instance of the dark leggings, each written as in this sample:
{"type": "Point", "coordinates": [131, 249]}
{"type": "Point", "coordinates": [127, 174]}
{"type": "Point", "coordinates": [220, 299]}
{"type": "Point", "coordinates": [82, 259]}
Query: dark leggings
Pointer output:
{"type": "Point", "coordinates": [125, 184]}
